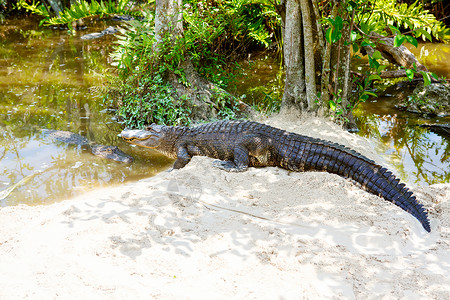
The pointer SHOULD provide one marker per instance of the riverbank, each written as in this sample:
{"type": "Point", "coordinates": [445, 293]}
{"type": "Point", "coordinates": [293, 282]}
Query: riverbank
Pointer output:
{"type": "Point", "coordinates": [201, 232]}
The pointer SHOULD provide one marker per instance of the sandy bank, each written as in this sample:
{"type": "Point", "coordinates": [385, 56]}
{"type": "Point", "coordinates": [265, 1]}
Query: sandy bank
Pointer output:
{"type": "Point", "coordinates": [200, 232]}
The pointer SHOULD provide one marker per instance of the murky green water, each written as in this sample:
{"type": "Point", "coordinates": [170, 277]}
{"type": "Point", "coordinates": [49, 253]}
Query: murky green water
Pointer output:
{"type": "Point", "coordinates": [46, 82]}
{"type": "Point", "coordinates": [419, 155]}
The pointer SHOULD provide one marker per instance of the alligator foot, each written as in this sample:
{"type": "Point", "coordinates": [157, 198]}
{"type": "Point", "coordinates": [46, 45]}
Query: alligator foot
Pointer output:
{"type": "Point", "coordinates": [228, 166]}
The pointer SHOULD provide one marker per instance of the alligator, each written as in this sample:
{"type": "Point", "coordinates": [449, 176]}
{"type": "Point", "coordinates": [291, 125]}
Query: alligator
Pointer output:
{"type": "Point", "coordinates": [109, 152]}
{"type": "Point", "coordinates": [242, 144]}
{"type": "Point", "coordinates": [96, 35]}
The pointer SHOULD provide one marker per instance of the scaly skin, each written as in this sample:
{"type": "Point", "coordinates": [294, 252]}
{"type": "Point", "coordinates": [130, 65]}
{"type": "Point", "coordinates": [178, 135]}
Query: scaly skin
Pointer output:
{"type": "Point", "coordinates": [242, 144]}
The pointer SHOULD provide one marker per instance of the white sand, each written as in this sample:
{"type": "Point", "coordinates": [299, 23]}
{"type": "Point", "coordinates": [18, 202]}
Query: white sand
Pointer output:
{"type": "Point", "coordinates": [200, 233]}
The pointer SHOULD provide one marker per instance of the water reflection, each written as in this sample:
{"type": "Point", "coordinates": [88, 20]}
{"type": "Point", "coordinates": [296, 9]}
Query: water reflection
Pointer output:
{"type": "Point", "coordinates": [419, 156]}
{"type": "Point", "coordinates": [45, 80]}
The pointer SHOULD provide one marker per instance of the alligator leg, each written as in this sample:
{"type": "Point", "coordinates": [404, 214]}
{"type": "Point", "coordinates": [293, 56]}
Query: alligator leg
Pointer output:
{"type": "Point", "coordinates": [240, 163]}
{"type": "Point", "coordinates": [183, 158]}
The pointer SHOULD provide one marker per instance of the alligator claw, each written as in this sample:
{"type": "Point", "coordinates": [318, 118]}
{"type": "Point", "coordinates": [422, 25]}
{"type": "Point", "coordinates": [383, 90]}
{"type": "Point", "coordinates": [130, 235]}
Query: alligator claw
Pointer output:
{"type": "Point", "coordinates": [228, 166]}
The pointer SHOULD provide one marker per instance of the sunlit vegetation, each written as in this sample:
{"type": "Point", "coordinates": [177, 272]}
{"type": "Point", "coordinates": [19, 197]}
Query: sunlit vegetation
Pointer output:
{"type": "Point", "coordinates": [214, 35]}
{"type": "Point", "coordinates": [217, 33]}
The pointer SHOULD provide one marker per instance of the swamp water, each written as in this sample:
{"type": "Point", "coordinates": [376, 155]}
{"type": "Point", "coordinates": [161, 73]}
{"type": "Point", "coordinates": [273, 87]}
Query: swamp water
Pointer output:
{"type": "Point", "coordinates": [45, 83]}
{"type": "Point", "coordinates": [419, 155]}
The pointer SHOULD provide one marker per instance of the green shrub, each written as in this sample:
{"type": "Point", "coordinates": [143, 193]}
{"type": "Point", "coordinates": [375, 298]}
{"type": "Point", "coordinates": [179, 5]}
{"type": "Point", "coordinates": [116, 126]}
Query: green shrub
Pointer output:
{"type": "Point", "coordinates": [214, 32]}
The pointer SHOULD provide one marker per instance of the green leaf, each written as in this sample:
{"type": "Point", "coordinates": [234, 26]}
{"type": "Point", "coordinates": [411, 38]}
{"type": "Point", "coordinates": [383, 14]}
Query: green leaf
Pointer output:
{"type": "Point", "coordinates": [394, 29]}
{"type": "Point", "coordinates": [365, 27]}
{"type": "Point", "coordinates": [398, 40]}
{"type": "Point", "coordinates": [338, 23]}
{"type": "Point", "coordinates": [426, 78]}
{"type": "Point", "coordinates": [332, 105]}
{"type": "Point", "coordinates": [373, 63]}
{"type": "Point", "coordinates": [365, 43]}
{"type": "Point", "coordinates": [408, 23]}
{"type": "Point", "coordinates": [374, 76]}
{"type": "Point", "coordinates": [329, 34]}
{"type": "Point", "coordinates": [381, 68]}
{"type": "Point", "coordinates": [364, 97]}
{"type": "Point", "coordinates": [330, 21]}
{"type": "Point", "coordinates": [337, 36]}
{"type": "Point", "coordinates": [420, 32]}
{"type": "Point", "coordinates": [377, 55]}
{"type": "Point", "coordinates": [369, 94]}
{"type": "Point", "coordinates": [354, 36]}
{"type": "Point", "coordinates": [410, 74]}
{"type": "Point", "coordinates": [412, 40]}
{"type": "Point", "coordinates": [352, 6]}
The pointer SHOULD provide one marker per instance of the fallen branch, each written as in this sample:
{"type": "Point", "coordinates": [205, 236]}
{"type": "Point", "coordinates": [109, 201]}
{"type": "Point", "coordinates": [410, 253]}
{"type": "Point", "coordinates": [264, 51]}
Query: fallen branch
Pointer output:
{"type": "Point", "coordinates": [396, 55]}
{"type": "Point", "coordinates": [395, 74]}
{"type": "Point", "coordinates": [402, 73]}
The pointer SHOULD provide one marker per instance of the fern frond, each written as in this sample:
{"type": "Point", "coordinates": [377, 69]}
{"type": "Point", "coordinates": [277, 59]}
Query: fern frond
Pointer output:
{"type": "Point", "coordinates": [409, 16]}
{"type": "Point", "coordinates": [83, 9]}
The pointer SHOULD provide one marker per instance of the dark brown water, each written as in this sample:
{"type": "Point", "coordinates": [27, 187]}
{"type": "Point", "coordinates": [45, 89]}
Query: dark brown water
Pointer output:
{"type": "Point", "coordinates": [47, 81]}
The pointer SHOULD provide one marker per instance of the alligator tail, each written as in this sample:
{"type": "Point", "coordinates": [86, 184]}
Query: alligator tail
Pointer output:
{"type": "Point", "coordinates": [325, 156]}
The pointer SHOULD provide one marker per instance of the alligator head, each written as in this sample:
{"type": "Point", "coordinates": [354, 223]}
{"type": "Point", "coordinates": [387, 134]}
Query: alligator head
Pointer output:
{"type": "Point", "coordinates": [151, 137]}
{"type": "Point", "coordinates": [111, 152]}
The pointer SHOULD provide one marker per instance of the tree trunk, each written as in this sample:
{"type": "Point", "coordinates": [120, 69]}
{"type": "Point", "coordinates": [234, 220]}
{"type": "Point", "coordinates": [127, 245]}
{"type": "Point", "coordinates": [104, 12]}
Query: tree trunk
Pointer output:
{"type": "Point", "coordinates": [201, 93]}
{"type": "Point", "coordinates": [340, 73]}
{"type": "Point", "coordinates": [56, 6]}
{"type": "Point", "coordinates": [325, 85]}
{"type": "Point", "coordinates": [344, 77]}
{"type": "Point", "coordinates": [294, 88]}
{"type": "Point", "coordinates": [310, 72]}
{"type": "Point", "coordinates": [346, 90]}
{"type": "Point", "coordinates": [168, 20]}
